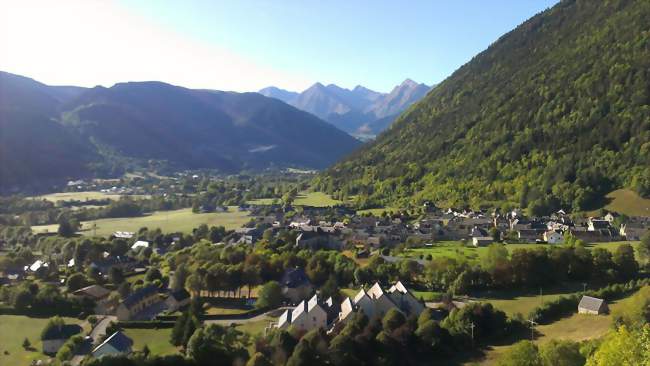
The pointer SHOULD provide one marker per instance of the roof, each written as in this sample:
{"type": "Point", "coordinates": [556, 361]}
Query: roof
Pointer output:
{"type": "Point", "coordinates": [590, 303]}
{"type": "Point", "coordinates": [137, 296]}
{"type": "Point", "coordinates": [360, 295]}
{"type": "Point", "coordinates": [95, 291]}
{"type": "Point", "coordinates": [140, 243]}
{"type": "Point", "coordinates": [180, 295]}
{"type": "Point", "coordinates": [118, 341]}
{"type": "Point", "coordinates": [64, 332]}
{"type": "Point", "coordinates": [294, 277]}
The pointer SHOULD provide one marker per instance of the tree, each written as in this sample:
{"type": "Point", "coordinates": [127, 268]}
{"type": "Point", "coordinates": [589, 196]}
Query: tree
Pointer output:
{"type": "Point", "coordinates": [393, 320]}
{"type": "Point", "coordinates": [561, 353]}
{"type": "Point", "coordinates": [67, 228]}
{"type": "Point", "coordinates": [270, 295]}
{"type": "Point", "coordinates": [76, 281]}
{"type": "Point", "coordinates": [180, 277]}
{"type": "Point", "coordinates": [623, 347]}
{"type": "Point", "coordinates": [152, 275]}
{"type": "Point", "coordinates": [259, 359]}
{"type": "Point", "coordinates": [626, 265]}
{"type": "Point", "coordinates": [644, 247]}
{"type": "Point", "coordinates": [115, 275]}
{"type": "Point", "coordinates": [524, 353]}
{"type": "Point", "coordinates": [217, 345]}
{"type": "Point", "coordinates": [26, 344]}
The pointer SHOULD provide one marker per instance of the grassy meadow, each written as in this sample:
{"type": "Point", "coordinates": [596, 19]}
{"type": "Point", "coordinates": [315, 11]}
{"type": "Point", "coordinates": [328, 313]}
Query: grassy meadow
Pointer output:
{"type": "Point", "coordinates": [183, 220]}
{"type": "Point", "coordinates": [14, 329]}
{"type": "Point", "coordinates": [627, 202]}
{"type": "Point", "coordinates": [156, 339]}
{"type": "Point", "coordinates": [81, 196]}
{"type": "Point", "coordinates": [315, 199]}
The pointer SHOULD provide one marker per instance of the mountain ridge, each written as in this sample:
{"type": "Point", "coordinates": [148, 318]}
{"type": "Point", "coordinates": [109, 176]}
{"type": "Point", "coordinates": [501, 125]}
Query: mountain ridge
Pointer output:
{"type": "Point", "coordinates": [554, 114]}
{"type": "Point", "coordinates": [143, 122]}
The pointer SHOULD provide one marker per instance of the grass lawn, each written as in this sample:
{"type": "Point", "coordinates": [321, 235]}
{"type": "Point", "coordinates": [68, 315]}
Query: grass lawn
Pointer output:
{"type": "Point", "coordinates": [315, 199]}
{"type": "Point", "coordinates": [14, 329]}
{"type": "Point", "coordinates": [627, 202]}
{"type": "Point", "coordinates": [362, 262]}
{"type": "Point", "coordinates": [256, 327]}
{"type": "Point", "coordinates": [455, 249]}
{"type": "Point", "coordinates": [214, 310]}
{"type": "Point", "coordinates": [377, 211]}
{"type": "Point", "coordinates": [183, 220]}
{"type": "Point", "coordinates": [517, 302]}
{"type": "Point", "coordinates": [80, 196]}
{"type": "Point", "coordinates": [156, 339]}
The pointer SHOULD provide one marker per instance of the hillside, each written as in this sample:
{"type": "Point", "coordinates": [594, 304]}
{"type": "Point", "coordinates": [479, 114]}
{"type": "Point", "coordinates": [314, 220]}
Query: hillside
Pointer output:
{"type": "Point", "coordinates": [553, 114]}
{"type": "Point", "coordinates": [359, 111]}
{"type": "Point", "coordinates": [63, 132]}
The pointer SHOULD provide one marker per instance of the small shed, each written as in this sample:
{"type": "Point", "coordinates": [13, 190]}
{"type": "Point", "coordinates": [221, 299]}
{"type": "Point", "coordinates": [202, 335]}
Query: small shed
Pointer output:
{"type": "Point", "coordinates": [592, 305]}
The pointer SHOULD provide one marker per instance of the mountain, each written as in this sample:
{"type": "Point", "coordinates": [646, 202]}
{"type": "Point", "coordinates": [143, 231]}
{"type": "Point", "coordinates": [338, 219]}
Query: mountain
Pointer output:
{"type": "Point", "coordinates": [554, 114]}
{"type": "Point", "coordinates": [74, 132]}
{"type": "Point", "coordinates": [356, 111]}
{"type": "Point", "coordinates": [277, 93]}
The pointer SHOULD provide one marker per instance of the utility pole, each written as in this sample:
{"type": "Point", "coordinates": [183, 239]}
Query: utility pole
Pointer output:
{"type": "Point", "coordinates": [541, 296]}
{"type": "Point", "coordinates": [472, 327]}
{"type": "Point", "coordinates": [584, 287]}
{"type": "Point", "coordinates": [532, 328]}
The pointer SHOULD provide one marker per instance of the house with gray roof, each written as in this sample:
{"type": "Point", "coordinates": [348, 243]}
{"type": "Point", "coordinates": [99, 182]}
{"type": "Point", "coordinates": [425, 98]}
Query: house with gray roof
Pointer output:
{"type": "Point", "coordinates": [117, 344]}
{"type": "Point", "coordinates": [592, 305]}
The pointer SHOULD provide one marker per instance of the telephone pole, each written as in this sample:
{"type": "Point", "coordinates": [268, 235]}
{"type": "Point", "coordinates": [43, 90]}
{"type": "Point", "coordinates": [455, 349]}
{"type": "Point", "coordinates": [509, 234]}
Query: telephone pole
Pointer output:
{"type": "Point", "coordinates": [472, 325]}
{"type": "Point", "coordinates": [532, 328]}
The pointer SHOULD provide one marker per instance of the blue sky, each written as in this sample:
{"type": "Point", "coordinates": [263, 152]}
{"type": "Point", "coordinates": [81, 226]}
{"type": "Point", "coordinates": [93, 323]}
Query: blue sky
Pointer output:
{"type": "Point", "coordinates": [245, 45]}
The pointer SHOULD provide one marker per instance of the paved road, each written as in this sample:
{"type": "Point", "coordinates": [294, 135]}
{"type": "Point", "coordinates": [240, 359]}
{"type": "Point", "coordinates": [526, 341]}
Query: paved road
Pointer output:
{"type": "Point", "coordinates": [100, 329]}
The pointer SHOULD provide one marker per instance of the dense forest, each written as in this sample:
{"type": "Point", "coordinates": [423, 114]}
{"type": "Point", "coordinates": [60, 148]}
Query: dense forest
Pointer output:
{"type": "Point", "coordinates": [554, 114]}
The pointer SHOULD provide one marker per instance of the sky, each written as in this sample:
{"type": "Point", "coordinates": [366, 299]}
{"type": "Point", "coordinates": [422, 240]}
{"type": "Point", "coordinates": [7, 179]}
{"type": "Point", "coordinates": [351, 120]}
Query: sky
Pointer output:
{"type": "Point", "coordinates": [245, 45]}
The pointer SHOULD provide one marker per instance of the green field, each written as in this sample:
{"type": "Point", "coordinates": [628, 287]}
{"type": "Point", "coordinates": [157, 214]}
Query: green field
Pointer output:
{"type": "Point", "coordinates": [257, 327]}
{"type": "Point", "coordinates": [628, 202]}
{"type": "Point", "coordinates": [455, 249]}
{"type": "Point", "coordinates": [156, 339]}
{"type": "Point", "coordinates": [315, 199]}
{"type": "Point", "coordinates": [523, 303]}
{"type": "Point", "coordinates": [183, 220]}
{"type": "Point", "coordinates": [81, 196]}
{"type": "Point", "coordinates": [13, 330]}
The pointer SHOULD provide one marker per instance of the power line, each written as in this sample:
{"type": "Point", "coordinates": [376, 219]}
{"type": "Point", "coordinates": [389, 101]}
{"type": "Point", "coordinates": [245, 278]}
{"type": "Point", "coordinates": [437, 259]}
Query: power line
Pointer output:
{"type": "Point", "coordinates": [532, 328]}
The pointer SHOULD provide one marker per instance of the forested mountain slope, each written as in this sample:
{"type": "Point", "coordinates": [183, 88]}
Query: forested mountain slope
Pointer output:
{"type": "Point", "coordinates": [65, 132]}
{"type": "Point", "coordinates": [553, 114]}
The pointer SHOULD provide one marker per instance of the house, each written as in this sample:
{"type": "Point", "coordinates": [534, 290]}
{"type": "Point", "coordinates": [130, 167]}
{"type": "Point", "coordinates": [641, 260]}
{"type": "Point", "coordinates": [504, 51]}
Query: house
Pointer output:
{"type": "Point", "coordinates": [481, 241]}
{"type": "Point", "coordinates": [54, 337]}
{"type": "Point", "coordinates": [376, 302]}
{"type": "Point", "coordinates": [177, 299]}
{"type": "Point", "coordinates": [553, 237]}
{"type": "Point", "coordinates": [592, 305]}
{"type": "Point", "coordinates": [633, 230]}
{"type": "Point", "coordinates": [99, 295]}
{"type": "Point", "coordinates": [307, 315]}
{"type": "Point", "coordinates": [140, 244]}
{"type": "Point", "coordinates": [137, 302]}
{"type": "Point", "coordinates": [596, 225]}
{"type": "Point", "coordinates": [295, 285]}
{"type": "Point", "coordinates": [528, 235]}
{"type": "Point", "coordinates": [123, 234]}
{"type": "Point", "coordinates": [117, 344]}
{"type": "Point", "coordinates": [317, 239]}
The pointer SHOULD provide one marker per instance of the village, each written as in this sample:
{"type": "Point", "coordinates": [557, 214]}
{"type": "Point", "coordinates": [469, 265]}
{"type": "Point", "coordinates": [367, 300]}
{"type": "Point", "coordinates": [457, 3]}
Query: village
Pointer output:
{"type": "Point", "coordinates": [99, 283]}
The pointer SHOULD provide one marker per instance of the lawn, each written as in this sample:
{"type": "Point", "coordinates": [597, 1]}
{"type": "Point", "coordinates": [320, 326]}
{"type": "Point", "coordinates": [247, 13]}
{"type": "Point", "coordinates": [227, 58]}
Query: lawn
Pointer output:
{"type": "Point", "coordinates": [81, 196]}
{"type": "Point", "coordinates": [183, 220]}
{"type": "Point", "coordinates": [13, 330]}
{"type": "Point", "coordinates": [628, 202]}
{"type": "Point", "coordinates": [256, 327]}
{"type": "Point", "coordinates": [214, 310]}
{"type": "Point", "coordinates": [517, 302]}
{"type": "Point", "coordinates": [315, 199]}
{"type": "Point", "coordinates": [456, 249]}
{"type": "Point", "coordinates": [156, 339]}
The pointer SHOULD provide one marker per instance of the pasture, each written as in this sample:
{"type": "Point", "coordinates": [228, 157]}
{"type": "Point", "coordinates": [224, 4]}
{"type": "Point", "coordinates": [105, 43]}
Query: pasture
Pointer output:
{"type": "Point", "coordinates": [183, 220]}
{"type": "Point", "coordinates": [315, 199]}
{"type": "Point", "coordinates": [81, 196]}
{"type": "Point", "coordinates": [13, 330]}
{"type": "Point", "coordinates": [156, 339]}
{"type": "Point", "coordinates": [627, 202]}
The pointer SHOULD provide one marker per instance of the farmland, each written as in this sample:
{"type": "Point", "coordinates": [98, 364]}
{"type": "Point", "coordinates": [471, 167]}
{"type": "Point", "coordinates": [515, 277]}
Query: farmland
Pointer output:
{"type": "Point", "coordinates": [81, 196]}
{"type": "Point", "coordinates": [156, 339]}
{"type": "Point", "coordinates": [183, 220]}
{"type": "Point", "coordinates": [315, 199]}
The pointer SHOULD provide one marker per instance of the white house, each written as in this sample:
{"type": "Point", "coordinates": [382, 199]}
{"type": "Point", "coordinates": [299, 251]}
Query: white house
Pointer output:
{"type": "Point", "coordinates": [377, 302]}
{"type": "Point", "coordinates": [306, 316]}
{"type": "Point", "coordinates": [479, 241]}
{"type": "Point", "coordinates": [117, 344]}
{"type": "Point", "coordinates": [140, 244]}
